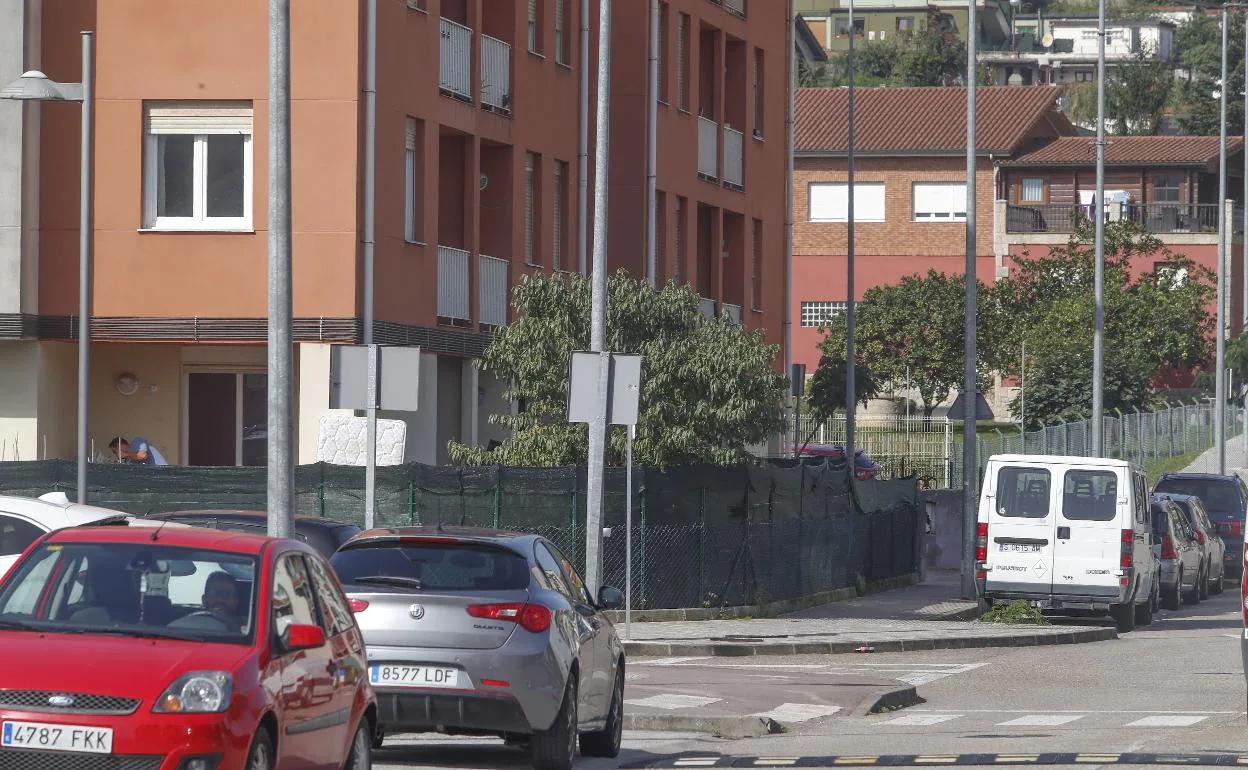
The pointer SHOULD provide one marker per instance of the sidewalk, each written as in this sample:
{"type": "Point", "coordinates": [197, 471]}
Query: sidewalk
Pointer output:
{"type": "Point", "coordinates": [1236, 458]}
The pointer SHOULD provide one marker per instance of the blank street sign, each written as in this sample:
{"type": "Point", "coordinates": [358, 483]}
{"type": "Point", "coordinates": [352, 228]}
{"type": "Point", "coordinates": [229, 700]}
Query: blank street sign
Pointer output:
{"type": "Point", "coordinates": [623, 389]}
{"type": "Point", "coordinates": [398, 377]}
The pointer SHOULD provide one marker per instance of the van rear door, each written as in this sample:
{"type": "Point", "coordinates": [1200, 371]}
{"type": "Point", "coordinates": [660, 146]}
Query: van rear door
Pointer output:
{"type": "Point", "coordinates": [1089, 532]}
{"type": "Point", "coordinates": [1021, 521]}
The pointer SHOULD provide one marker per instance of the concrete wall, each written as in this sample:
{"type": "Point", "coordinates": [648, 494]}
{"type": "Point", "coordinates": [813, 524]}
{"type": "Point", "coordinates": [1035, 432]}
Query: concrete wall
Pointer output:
{"type": "Point", "coordinates": [38, 387]}
{"type": "Point", "coordinates": [19, 147]}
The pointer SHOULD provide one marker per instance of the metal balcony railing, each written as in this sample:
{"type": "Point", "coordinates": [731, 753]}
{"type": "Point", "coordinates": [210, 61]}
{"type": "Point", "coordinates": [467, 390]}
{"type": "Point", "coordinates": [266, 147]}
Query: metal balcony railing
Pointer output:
{"type": "Point", "coordinates": [453, 267]}
{"type": "Point", "coordinates": [735, 6]}
{"type": "Point", "coordinates": [1174, 217]}
{"type": "Point", "coordinates": [1044, 218]}
{"type": "Point", "coordinates": [734, 158]}
{"type": "Point", "coordinates": [708, 148]}
{"type": "Point", "coordinates": [456, 60]}
{"type": "Point", "coordinates": [492, 290]}
{"type": "Point", "coordinates": [495, 74]}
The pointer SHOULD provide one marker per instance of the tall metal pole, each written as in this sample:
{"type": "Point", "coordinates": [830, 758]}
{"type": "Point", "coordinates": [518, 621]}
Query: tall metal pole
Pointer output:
{"type": "Point", "coordinates": [598, 322]}
{"type": "Point", "coordinates": [652, 162]}
{"type": "Point", "coordinates": [582, 229]}
{"type": "Point", "coordinates": [1243, 305]}
{"type": "Point", "coordinates": [787, 315]}
{"type": "Point", "coordinates": [851, 386]}
{"type": "Point", "coordinates": [86, 225]}
{"type": "Point", "coordinates": [281, 470]}
{"type": "Point", "coordinates": [370, 224]}
{"type": "Point", "coordinates": [628, 532]}
{"type": "Point", "coordinates": [970, 467]}
{"type": "Point", "coordinates": [1098, 322]}
{"type": "Point", "coordinates": [1219, 435]}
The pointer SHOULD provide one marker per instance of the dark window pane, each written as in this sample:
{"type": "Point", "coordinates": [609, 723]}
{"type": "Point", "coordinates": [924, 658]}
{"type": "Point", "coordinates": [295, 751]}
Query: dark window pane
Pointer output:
{"type": "Point", "coordinates": [439, 568]}
{"type": "Point", "coordinates": [1090, 496]}
{"type": "Point", "coordinates": [175, 171]}
{"type": "Point", "coordinates": [255, 419]}
{"type": "Point", "coordinates": [225, 175]}
{"type": "Point", "coordinates": [1023, 492]}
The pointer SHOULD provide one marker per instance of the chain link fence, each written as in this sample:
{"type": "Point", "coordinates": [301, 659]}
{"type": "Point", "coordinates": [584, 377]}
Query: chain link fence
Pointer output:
{"type": "Point", "coordinates": [702, 536]}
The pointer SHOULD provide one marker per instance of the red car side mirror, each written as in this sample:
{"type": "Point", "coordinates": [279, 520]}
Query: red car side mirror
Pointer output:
{"type": "Point", "coordinates": [300, 637]}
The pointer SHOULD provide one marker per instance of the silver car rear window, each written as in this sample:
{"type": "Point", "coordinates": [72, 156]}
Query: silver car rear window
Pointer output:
{"type": "Point", "coordinates": [438, 566]}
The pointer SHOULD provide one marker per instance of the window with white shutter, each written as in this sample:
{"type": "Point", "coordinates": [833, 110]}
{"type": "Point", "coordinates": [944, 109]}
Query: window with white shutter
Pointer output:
{"type": "Point", "coordinates": [534, 36]}
{"type": "Point", "coordinates": [561, 43]}
{"type": "Point", "coordinates": [829, 202]}
{"type": "Point", "coordinates": [939, 202]}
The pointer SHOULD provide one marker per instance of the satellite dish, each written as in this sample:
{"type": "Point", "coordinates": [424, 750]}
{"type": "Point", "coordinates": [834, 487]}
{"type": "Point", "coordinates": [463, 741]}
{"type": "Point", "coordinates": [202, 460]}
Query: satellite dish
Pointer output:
{"type": "Point", "coordinates": [1047, 40]}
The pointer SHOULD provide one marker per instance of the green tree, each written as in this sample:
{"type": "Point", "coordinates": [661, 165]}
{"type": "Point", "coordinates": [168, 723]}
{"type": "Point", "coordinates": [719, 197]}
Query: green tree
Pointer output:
{"type": "Point", "coordinates": [924, 57]}
{"type": "Point", "coordinates": [1139, 93]}
{"type": "Point", "coordinates": [1154, 319]}
{"type": "Point", "coordinates": [1198, 50]}
{"type": "Point", "coordinates": [917, 325]}
{"type": "Point", "coordinates": [709, 387]}
{"type": "Point", "coordinates": [825, 393]}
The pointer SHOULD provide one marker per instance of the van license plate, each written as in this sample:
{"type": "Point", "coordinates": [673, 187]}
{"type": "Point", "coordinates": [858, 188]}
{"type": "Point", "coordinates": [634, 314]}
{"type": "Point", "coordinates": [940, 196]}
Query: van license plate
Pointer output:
{"type": "Point", "coordinates": [1018, 548]}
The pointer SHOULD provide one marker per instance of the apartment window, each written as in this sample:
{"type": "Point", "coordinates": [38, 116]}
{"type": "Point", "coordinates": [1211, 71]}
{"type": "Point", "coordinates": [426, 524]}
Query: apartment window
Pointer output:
{"type": "Point", "coordinates": [759, 96]}
{"type": "Point", "coordinates": [530, 208]}
{"type": "Point", "coordinates": [561, 39]}
{"type": "Point", "coordinates": [1167, 188]}
{"type": "Point", "coordinates": [829, 202]}
{"type": "Point", "coordinates": [664, 35]}
{"type": "Point", "coordinates": [197, 166]}
{"type": "Point", "coordinates": [535, 26]}
{"type": "Point", "coordinates": [561, 177]}
{"type": "Point", "coordinates": [842, 27]}
{"type": "Point", "coordinates": [660, 237]}
{"type": "Point", "coordinates": [682, 226]}
{"type": "Point", "coordinates": [939, 202]}
{"type": "Point", "coordinates": [905, 23]}
{"type": "Point", "coordinates": [1032, 190]}
{"type": "Point", "coordinates": [820, 312]}
{"type": "Point", "coordinates": [756, 267]}
{"type": "Point", "coordinates": [682, 63]}
{"type": "Point", "coordinates": [1085, 76]}
{"type": "Point", "coordinates": [411, 182]}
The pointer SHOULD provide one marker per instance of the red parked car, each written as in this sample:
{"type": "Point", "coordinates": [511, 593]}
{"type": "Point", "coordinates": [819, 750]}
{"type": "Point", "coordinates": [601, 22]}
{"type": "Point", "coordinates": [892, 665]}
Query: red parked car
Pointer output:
{"type": "Point", "coordinates": [179, 649]}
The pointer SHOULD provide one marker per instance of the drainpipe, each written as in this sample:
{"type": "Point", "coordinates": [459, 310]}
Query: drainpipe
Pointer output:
{"type": "Point", "coordinates": [370, 206]}
{"type": "Point", "coordinates": [787, 314]}
{"type": "Point", "coordinates": [652, 106]}
{"type": "Point", "coordinates": [582, 234]}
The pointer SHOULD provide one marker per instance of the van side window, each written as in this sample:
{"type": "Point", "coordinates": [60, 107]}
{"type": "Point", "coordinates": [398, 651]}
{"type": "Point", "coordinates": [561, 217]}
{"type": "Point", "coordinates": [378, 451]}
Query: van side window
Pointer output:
{"type": "Point", "coordinates": [1141, 499]}
{"type": "Point", "coordinates": [1023, 492]}
{"type": "Point", "coordinates": [1090, 496]}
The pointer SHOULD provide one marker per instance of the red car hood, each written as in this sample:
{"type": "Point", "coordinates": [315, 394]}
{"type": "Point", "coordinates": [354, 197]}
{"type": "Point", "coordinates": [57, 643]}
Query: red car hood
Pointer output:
{"type": "Point", "coordinates": [108, 665]}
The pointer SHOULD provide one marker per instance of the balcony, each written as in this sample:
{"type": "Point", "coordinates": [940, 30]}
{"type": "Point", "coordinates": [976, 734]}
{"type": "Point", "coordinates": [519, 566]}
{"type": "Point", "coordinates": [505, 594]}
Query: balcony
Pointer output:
{"type": "Point", "coordinates": [706, 307]}
{"type": "Point", "coordinates": [735, 6]}
{"type": "Point", "coordinates": [495, 75]}
{"type": "Point", "coordinates": [731, 312]}
{"type": "Point", "coordinates": [492, 290]}
{"type": "Point", "coordinates": [456, 60]}
{"type": "Point", "coordinates": [708, 148]}
{"type": "Point", "coordinates": [453, 267]}
{"type": "Point", "coordinates": [734, 159]}
{"type": "Point", "coordinates": [1174, 217]}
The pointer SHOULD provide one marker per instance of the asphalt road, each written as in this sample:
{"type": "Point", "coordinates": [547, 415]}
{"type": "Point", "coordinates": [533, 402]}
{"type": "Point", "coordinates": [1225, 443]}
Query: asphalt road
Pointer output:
{"type": "Point", "coordinates": [1175, 687]}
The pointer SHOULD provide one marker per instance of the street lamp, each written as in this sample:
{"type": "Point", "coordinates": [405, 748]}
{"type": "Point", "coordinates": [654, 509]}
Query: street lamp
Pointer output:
{"type": "Point", "coordinates": [36, 86]}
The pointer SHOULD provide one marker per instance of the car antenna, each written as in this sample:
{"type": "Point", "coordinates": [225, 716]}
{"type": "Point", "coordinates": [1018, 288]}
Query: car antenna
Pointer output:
{"type": "Point", "coordinates": [156, 534]}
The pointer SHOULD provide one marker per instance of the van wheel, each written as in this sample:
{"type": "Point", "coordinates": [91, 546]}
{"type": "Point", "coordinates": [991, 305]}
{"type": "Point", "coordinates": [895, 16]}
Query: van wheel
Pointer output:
{"type": "Point", "coordinates": [1193, 596]}
{"type": "Point", "coordinates": [1218, 585]}
{"type": "Point", "coordinates": [1144, 612]}
{"type": "Point", "coordinates": [1124, 617]}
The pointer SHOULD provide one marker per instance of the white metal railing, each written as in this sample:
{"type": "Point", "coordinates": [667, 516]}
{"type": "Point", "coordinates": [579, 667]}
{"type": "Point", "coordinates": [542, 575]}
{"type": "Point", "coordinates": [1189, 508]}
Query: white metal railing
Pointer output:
{"type": "Point", "coordinates": [731, 312]}
{"type": "Point", "coordinates": [492, 290]}
{"type": "Point", "coordinates": [708, 147]}
{"type": "Point", "coordinates": [706, 307]}
{"type": "Point", "coordinates": [453, 266]}
{"type": "Point", "coordinates": [456, 55]}
{"type": "Point", "coordinates": [736, 6]}
{"type": "Point", "coordinates": [495, 73]}
{"type": "Point", "coordinates": [734, 157]}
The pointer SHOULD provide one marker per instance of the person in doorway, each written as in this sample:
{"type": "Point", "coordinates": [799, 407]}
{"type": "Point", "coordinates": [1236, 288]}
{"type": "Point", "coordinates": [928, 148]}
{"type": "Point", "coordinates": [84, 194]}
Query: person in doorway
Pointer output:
{"type": "Point", "coordinates": [136, 450]}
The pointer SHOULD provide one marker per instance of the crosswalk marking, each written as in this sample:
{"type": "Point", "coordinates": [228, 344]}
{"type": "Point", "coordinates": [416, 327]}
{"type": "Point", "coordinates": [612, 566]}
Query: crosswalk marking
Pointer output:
{"type": "Point", "coordinates": [775, 761]}
{"type": "Point", "coordinates": [1168, 720]}
{"type": "Point", "coordinates": [799, 712]}
{"type": "Point", "coordinates": [697, 762]}
{"type": "Point", "coordinates": [1041, 720]}
{"type": "Point", "coordinates": [671, 702]}
{"type": "Point", "coordinates": [921, 720]}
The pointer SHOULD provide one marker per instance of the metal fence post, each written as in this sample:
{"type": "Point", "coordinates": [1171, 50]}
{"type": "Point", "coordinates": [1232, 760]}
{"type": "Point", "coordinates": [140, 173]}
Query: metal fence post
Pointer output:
{"type": "Point", "coordinates": [644, 561]}
{"type": "Point", "coordinates": [411, 501]}
{"type": "Point", "coordinates": [575, 537]}
{"type": "Point", "coordinates": [498, 497]}
{"type": "Point", "coordinates": [702, 544]}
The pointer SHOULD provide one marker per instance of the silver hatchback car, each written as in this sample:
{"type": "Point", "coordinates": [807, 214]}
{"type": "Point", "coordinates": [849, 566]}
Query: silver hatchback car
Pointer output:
{"type": "Point", "coordinates": [482, 632]}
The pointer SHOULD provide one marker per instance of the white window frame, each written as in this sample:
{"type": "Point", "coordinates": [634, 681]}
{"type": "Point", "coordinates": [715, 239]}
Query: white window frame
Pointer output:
{"type": "Point", "coordinates": [409, 183]}
{"type": "Point", "coordinates": [952, 193]}
{"type": "Point", "coordinates": [533, 36]}
{"type": "Point", "coordinates": [200, 120]}
{"type": "Point", "coordinates": [561, 56]}
{"type": "Point", "coordinates": [869, 198]}
{"type": "Point", "coordinates": [815, 313]}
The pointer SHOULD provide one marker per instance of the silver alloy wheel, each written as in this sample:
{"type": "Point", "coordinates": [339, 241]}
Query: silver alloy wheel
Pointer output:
{"type": "Point", "coordinates": [573, 722]}
{"type": "Point", "coordinates": [360, 757]}
{"type": "Point", "coordinates": [617, 712]}
{"type": "Point", "coordinates": [260, 758]}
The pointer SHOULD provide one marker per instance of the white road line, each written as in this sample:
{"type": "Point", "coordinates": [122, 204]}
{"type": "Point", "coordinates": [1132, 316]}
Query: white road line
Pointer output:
{"type": "Point", "coordinates": [920, 720]}
{"type": "Point", "coordinates": [799, 712]}
{"type": "Point", "coordinates": [1167, 720]}
{"type": "Point", "coordinates": [1041, 720]}
{"type": "Point", "coordinates": [1073, 711]}
{"type": "Point", "coordinates": [670, 702]}
{"type": "Point", "coordinates": [665, 661]}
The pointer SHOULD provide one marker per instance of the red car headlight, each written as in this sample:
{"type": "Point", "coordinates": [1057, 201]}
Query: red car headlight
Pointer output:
{"type": "Point", "coordinates": [197, 692]}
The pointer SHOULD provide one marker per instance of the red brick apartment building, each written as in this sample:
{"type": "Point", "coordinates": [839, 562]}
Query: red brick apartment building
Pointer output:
{"type": "Point", "coordinates": [1033, 171]}
{"type": "Point", "coordinates": [477, 184]}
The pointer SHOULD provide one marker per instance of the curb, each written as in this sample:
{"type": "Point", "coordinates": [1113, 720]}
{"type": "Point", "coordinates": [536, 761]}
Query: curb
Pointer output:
{"type": "Point", "coordinates": [714, 649]}
{"type": "Point", "coordinates": [893, 700]}
{"type": "Point", "coordinates": [720, 727]}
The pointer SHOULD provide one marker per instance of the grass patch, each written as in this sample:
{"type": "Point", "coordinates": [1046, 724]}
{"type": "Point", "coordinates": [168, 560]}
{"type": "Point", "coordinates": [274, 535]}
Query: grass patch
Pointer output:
{"type": "Point", "coordinates": [1015, 614]}
{"type": "Point", "coordinates": [1155, 469]}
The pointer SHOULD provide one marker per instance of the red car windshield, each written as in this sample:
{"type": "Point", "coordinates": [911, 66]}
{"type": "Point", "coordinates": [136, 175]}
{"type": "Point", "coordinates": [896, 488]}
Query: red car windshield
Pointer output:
{"type": "Point", "coordinates": [129, 589]}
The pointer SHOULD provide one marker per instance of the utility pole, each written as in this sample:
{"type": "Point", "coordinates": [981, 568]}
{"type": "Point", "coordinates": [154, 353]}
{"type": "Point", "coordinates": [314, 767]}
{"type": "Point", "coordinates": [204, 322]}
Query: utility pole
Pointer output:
{"type": "Point", "coordinates": [1219, 409]}
{"type": "Point", "coordinates": [652, 161]}
{"type": "Point", "coordinates": [970, 465]}
{"type": "Point", "coordinates": [1098, 326]}
{"type": "Point", "coordinates": [851, 387]}
{"type": "Point", "coordinates": [281, 470]}
{"type": "Point", "coordinates": [370, 227]}
{"type": "Point", "coordinates": [598, 321]}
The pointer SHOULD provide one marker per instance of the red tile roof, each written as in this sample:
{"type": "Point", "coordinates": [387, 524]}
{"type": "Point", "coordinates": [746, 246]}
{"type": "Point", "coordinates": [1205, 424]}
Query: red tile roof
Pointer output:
{"type": "Point", "coordinates": [890, 120]}
{"type": "Point", "coordinates": [1129, 151]}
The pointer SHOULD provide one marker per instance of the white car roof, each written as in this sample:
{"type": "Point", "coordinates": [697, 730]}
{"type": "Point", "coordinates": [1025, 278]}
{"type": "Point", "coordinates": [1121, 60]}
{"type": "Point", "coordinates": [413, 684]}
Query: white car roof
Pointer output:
{"type": "Point", "coordinates": [54, 514]}
{"type": "Point", "coordinates": [1106, 462]}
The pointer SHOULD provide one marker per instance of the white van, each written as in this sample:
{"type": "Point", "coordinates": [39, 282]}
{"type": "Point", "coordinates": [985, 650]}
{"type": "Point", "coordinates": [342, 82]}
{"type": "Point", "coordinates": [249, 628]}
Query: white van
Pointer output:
{"type": "Point", "coordinates": [1067, 534]}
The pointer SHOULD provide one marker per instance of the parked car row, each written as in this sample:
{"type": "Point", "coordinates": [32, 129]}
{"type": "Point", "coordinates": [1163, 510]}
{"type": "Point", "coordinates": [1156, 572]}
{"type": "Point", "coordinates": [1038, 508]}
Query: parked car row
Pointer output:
{"type": "Point", "coordinates": [230, 649]}
{"type": "Point", "coordinates": [1084, 536]}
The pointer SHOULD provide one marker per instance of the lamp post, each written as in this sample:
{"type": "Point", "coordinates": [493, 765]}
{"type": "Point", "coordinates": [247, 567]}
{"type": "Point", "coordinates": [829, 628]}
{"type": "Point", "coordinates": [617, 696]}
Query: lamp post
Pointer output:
{"type": "Point", "coordinates": [37, 87]}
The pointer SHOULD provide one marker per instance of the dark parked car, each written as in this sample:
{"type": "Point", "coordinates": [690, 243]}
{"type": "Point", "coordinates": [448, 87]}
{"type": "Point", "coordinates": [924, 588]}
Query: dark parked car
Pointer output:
{"type": "Point", "coordinates": [325, 535]}
{"type": "Point", "coordinates": [1226, 500]}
